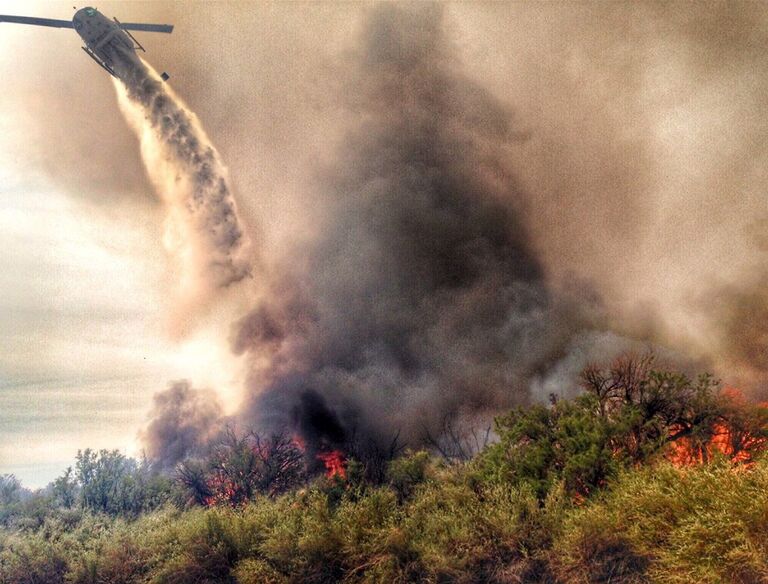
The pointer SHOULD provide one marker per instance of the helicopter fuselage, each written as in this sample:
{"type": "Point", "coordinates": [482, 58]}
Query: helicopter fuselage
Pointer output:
{"type": "Point", "coordinates": [108, 42]}
{"type": "Point", "coordinates": [104, 40]}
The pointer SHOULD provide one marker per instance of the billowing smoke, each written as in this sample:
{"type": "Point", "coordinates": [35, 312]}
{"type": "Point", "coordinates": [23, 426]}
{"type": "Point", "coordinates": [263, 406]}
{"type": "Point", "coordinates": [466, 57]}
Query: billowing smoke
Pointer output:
{"type": "Point", "coordinates": [184, 419]}
{"type": "Point", "coordinates": [203, 231]}
{"type": "Point", "coordinates": [465, 258]}
{"type": "Point", "coordinates": [422, 296]}
{"type": "Point", "coordinates": [317, 426]}
{"type": "Point", "coordinates": [740, 313]}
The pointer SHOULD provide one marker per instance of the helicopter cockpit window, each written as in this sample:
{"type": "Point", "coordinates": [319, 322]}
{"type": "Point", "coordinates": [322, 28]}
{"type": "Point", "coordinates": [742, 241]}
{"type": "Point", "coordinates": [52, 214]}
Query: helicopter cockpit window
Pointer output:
{"type": "Point", "coordinates": [90, 11]}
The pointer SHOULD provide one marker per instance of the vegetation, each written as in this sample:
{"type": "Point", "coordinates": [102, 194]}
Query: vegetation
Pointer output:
{"type": "Point", "coordinates": [239, 467]}
{"type": "Point", "coordinates": [648, 476]}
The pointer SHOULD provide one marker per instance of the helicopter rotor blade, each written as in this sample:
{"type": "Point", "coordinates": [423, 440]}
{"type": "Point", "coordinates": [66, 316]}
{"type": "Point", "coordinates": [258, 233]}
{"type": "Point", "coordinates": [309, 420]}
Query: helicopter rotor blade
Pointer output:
{"type": "Point", "coordinates": [146, 27]}
{"type": "Point", "coordinates": [36, 21]}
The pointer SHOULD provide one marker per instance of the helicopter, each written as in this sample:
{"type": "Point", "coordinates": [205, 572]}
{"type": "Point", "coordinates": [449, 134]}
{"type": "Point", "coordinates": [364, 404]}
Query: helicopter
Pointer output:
{"type": "Point", "coordinates": [106, 41]}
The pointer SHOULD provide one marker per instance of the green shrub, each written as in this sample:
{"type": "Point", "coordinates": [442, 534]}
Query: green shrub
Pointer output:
{"type": "Point", "coordinates": [541, 446]}
{"type": "Point", "coordinates": [404, 474]}
{"type": "Point", "coordinates": [571, 493]}
{"type": "Point", "coordinates": [701, 524]}
{"type": "Point", "coordinates": [253, 571]}
{"type": "Point", "coordinates": [31, 560]}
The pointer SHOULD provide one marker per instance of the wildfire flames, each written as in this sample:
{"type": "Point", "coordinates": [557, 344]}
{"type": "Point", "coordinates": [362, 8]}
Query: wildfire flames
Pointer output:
{"type": "Point", "coordinates": [334, 460]}
{"type": "Point", "coordinates": [222, 492]}
{"type": "Point", "coordinates": [335, 464]}
{"type": "Point", "coordinates": [685, 451]}
{"type": "Point", "coordinates": [736, 441]}
{"type": "Point", "coordinates": [241, 468]}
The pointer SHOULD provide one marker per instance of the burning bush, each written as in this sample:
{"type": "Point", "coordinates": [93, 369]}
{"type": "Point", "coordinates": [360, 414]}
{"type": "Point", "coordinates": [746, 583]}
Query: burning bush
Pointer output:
{"type": "Point", "coordinates": [335, 464]}
{"type": "Point", "coordinates": [628, 414]}
{"type": "Point", "coordinates": [739, 433]}
{"type": "Point", "coordinates": [239, 467]}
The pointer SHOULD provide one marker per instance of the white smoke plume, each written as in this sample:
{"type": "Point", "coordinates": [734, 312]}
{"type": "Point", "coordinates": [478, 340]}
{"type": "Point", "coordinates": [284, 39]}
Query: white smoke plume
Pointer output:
{"type": "Point", "coordinates": [203, 232]}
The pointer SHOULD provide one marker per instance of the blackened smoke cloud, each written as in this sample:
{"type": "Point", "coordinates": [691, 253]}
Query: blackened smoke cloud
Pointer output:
{"type": "Point", "coordinates": [203, 231]}
{"type": "Point", "coordinates": [422, 296]}
{"type": "Point", "coordinates": [465, 260]}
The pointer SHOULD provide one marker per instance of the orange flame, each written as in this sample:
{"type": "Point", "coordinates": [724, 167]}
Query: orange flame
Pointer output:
{"type": "Point", "coordinates": [223, 492]}
{"type": "Point", "coordinates": [736, 444]}
{"type": "Point", "coordinates": [335, 464]}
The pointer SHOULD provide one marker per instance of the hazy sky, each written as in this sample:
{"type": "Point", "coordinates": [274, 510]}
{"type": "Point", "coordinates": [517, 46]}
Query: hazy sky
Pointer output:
{"type": "Point", "coordinates": [643, 168]}
{"type": "Point", "coordinates": [82, 270]}
{"type": "Point", "coordinates": [85, 285]}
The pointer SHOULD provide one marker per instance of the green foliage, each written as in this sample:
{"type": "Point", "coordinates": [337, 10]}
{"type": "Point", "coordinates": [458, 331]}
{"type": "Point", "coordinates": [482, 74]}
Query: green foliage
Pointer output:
{"type": "Point", "coordinates": [573, 492]}
{"type": "Point", "coordinates": [404, 474]}
{"type": "Point", "coordinates": [10, 489]}
{"type": "Point", "coordinates": [649, 408]}
{"type": "Point", "coordinates": [654, 524]}
{"type": "Point", "coordinates": [208, 553]}
{"type": "Point", "coordinates": [699, 524]}
{"type": "Point", "coordinates": [114, 484]}
{"type": "Point", "coordinates": [628, 415]}
{"type": "Point", "coordinates": [541, 446]}
{"type": "Point", "coordinates": [65, 489]}
{"type": "Point", "coordinates": [31, 560]}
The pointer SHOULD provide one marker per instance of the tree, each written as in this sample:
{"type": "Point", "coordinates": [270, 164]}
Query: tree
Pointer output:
{"type": "Point", "coordinates": [454, 441]}
{"type": "Point", "coordinates": [113, 484]}
{"type": "Point", "coordinates": [540, 445]}
{"type": "Point", "coordinates": [192, 476]}
{"type": "Point", "coordinates": [373, 456]}
{"type": "Point", "coordinates": [10, 489]}
{"type": "Point", "coordinates": [650, 408]}
{"type": "Point", "coordinates": [65, 489]}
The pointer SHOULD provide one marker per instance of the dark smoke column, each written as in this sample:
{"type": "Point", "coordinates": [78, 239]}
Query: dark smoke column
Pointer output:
{"type": "Point", "coordinates": [422, 296]}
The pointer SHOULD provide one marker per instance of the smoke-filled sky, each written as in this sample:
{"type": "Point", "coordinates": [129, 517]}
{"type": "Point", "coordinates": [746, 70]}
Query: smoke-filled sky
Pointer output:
{"type": "Point", "coordinates": [530, 185]}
